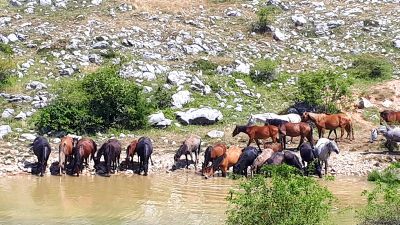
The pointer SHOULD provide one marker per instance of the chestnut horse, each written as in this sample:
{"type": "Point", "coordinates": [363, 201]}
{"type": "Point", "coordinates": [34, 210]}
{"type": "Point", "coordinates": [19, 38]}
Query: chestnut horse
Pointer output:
{"type": "Point", "coordinates": [217, 155]}
{"type": "Point", "coordinates": [302, 129]}
{"type": "Point", "coordinates": [66, 151]}
{"type": "Point", "coordinates": [232, 157]}
{"type": "Point", "coordinates": [86, 147]}
{"type": "Point", "coordinates": [207, 159]}
{"type": "Point", "coordinates": [331, 122]}
{"type": "Point", "coordinates": [257, 132]}
{"type": "Point", "coordinates": [130, 152]}
{"type": "Point", "coordinates": [390, 117]}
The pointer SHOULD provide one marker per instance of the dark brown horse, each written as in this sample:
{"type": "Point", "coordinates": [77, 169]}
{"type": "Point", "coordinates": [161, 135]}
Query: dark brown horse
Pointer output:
{"type": "Point", "coordinates": [42, 149]}
{"type": "Point", "coordinates": [302, 129]}
{"type": "Point", "coordinates": [330, 122]}
{"type": "Point", "coordinates": [130, 152]}
{"type": "Point", "coordinates": [66, 151]}
{"type": "Point", "coordinates": [86, 147]}
{"type": "Point", "coordinates": [217, 155]}
{"type": "Point", "coordinates": [390, 117]}
{"type": "Point", "coordinates": [111, 151]}
{"type": "Point", "coordinates": [257, 132]}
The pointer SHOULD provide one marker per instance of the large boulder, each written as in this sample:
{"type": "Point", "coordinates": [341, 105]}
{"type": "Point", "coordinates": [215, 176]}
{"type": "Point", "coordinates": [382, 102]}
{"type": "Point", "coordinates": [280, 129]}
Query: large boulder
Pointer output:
{"type": "Point", "coordinates": [159, 120]}
{"type": "Point", "coordinates": [180, 98]}
{"type": "Point", "coordinates": [7, 113]}
{"type": "Point", "coordinates": [364, 103]}
{"type": "Point", "coordinates": [4, 130]}
{"type": "Point", "coordinates": [201, 116]}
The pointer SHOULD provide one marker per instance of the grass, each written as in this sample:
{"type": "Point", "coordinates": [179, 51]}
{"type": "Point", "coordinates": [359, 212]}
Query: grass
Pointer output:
{"type": "Point", "coordinates": [371, 114]}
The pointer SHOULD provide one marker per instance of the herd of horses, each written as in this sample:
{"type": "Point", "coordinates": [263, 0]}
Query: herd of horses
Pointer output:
{"type": "Point", "coordinates": [74, 154]}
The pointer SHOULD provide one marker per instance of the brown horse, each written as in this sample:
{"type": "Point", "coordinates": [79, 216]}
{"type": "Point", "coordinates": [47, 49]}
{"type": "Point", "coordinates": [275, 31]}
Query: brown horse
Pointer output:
{"type": "Point", "coordinates": [191, 144]}
{"type": "Point", "coordinates": [86, 147]}
{"type": "Point", "coordinates": [130, 152]}
{"type": "Point", "coordinates": [390, 117]}
{"type": "Point", "coordinates": [231, 158]}
{"type": "Point", "coordinates": [216, 156]}
{"type": "Point", "coordinates": [302, 129]}
{"type": "Point", "coordinates": [331, 122]}
{"type": "Point", "coordinates": [66, 151]}
{"type": "Point", "coordinates": [257, 132]}
{"type": "Point", "coordinates": [276, 147]}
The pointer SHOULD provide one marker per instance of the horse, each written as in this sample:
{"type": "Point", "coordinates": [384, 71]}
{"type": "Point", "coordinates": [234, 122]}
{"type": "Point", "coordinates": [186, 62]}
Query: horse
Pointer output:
{"type": "Point", "coordinates": [287, 157]}
{"type": "Point", "coordinates": [301, 129]}
{"type": "Point", "coordinates": [324, 148]}
{"type": "Point", "coordinates": [277, 123]}
{"type": "Point", "coordinates": [191, 144]}
{"type": "Point", "coordinates": [231, 158]}
{"type": "Point", "coordinates": [207, 160]}
{"type": "Point", "coordinates": [257, 132]}
{"type": "Point", "coordinates": [84, 148]}
{"type": "Point", "coordinates": [111, 151]}
{"type": "Point", "coordinates": [389, 116]}
{"type": "Point", "coordinates": [260, 160]}
{"type": "Point", "coordinates": [276, 147]}
{"type": "Point", "coordinates": [309, 155]}
{"type": "Point", "coordinates": [392, 135]}
{"type": "Point", "coordinates": [144, 149]}
{"type": "Point", "coordinates": [293, 118]}
{"type": "Point", "coordinates": [66, 151]}
{"type": "Point", "coordinates": [276, 158]}
{"type": "Point", "coordinates": [246, 159]}
{"type": "Point", "coordinates": [130, 152]}
{"type": "Point", "coordinates": [42, 149]}
{"type": "Point", "coordinates": [331, 122]}
{"type": "Point", "coordinates": [217, 155]}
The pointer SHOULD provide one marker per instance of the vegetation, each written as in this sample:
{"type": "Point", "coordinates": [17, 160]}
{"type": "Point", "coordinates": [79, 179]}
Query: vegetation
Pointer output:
{"type": "Point", "coordinates": [323, 89]}
{"type": "Point", "coordinates": [370, 67]}
{"type": "Point", "coordinates": [102, 100]}
{"type": "Point", "coordinates": [207, 67]}
{"type": "Point", "coordinates": [6, 66]}
{"type": "Point", "coordinates": [264, 70]}
{"type": "Point", "coordinates": [285, 198]}
{"type": "Point", "coordinates": [6, 48]}
{"type": "Point", "coordinates": [389, 175]}
{"type": "Point", "coordinates": [162, 98]}
{"type": "Point", "coordinates": [265, 17]}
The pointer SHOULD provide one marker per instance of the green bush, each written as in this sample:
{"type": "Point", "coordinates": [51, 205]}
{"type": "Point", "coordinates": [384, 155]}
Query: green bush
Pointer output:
{"type": "Point", "coordinates": [287, 199]}
{"type": "Point", "coordinates": [205, 66]}
{"type": "Point", "coordinates": [390, 175]}
{"type": "Point", "coordinates": [370, 67]}
{"type": "Point", "coordinates": [6, 66]}
{"type": "Point", "coordinates": [323, 89]}
{"type": "Point", "coordinates": [265, 17]}
{"type": "Point", "coordinates": [264, 70]}
{"type": "Point", "coordinates": [6, 48]}
{"type": "Point", "coordinates": [162, 98]}
{"type": "Point", "coordinates": [102, 100]}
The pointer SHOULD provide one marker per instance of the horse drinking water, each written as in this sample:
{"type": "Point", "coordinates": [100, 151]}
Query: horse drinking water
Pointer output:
{"type": "Point", "coordinates": [130, 152]}
{"type": "Point", "coordinates": [246, 159]}
{"type": "Point", "coordinates": [191, 144]}
{"type": "Point", "coordinates": [41, 149]}
{"type": "Point", "coordinates": [66, 151]}
{"type": "Point", "coordinates": [230, 159]}
{"type": "Point", "coordinates": [111, 151]}
{"type": "Point", "coordinates": [84, 148]}
{"type": "Point", "coordinates": [309, 155]}
{"type": "Point", "coordinates": [144, 150]}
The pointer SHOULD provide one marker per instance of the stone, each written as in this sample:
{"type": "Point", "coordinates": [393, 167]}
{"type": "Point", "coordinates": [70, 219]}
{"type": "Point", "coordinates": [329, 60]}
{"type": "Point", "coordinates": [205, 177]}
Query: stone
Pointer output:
{"type": "Point", "coordinates": [27, 136]}
{"type": "Point", "coordinates": [15, 3]}
{"type": "Point", "coordinates": [159, 120]}
{"type": "Point", "coordinates": [299, 20]}
{"type": "Point", "coordinates": [12, 37]}
{"type": "Point", "coordinates": [66, 71]}
{"type": "Point", "coordinates": [233, 13]}
{"type": "Point", "coordinates": [45, 2]}
{"type": "Point", "coordinates": [321, 29]}
{"type": "Point", "coordinates": [279, 35]}
{"type": "Point", "coordinates": [21, 116]}
{"type": "Point", "coordinates": [242, 67]}
{"type": "Point", "coordinates": [96, 2]}
{"type": "Point", "coordinates": [396, 43]}
{"type": "Point", "coordinates": [387, 103]}
{"type": "Point", "coordinates": [7, 113]}
{"type": "Point", "coordinates": [181, 98]}
{"type": "Point", "coordinates": [4, 130]}
{"type": "Point", "coordinates": [56, 140]}
{"type": "Point", "coordinates": [199, 116]}
{"type": "Point", "coordinates": [35, 85]}
{"type": "Point", "coordinates": [364, 103]}
{"type": "Point", "coordinates": [101, 45]}
{"type": "Point", "coordinates": [215, 134]}
{"type": "Point", "coordinates": [177, 77]}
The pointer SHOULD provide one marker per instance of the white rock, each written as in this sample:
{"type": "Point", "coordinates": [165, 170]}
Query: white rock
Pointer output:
{"type": "Point", "coordinates": [201, 116]}
{"type": "Point", "coordinates": [181, 98]}
{"type": "Point", "coordinates": [96, 2]}
{"type": "Point", "coordinates": [35, 85]}
{"type": "Point", "coordinates": [396, 43]}
{"type": "Point", "coordinates": [159, 120]}
{"type": "Point", "coordinates": [44, 2]}
{"type": "Point", "coordinates": [364, 103]}
{"type": "Point", "coordinates": [7, 113]}
{"type": "Point", "coordinates": [29, 137]}
{"type": "Point", "coordinates": [21, 116]}
{"type": "Point", "coordinates": [387, 103]}
{"type": "Point", "coordinates": [4, 130]}
{"type": "Point", "coordinates": [12, 37]}
{"type": "Point", "coordinates": [299, 20]}
{"type": "Point", "coordinates": [215, 134]}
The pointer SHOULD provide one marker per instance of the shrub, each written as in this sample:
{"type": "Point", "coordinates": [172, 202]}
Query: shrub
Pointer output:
{"type": "Point", "coordinates": [265, 17]}
{"type": "Point", "coordinates": [102, 100]}
{"type": "Point", "coordinates": [6, 48]}
{"type": "Point", "coordinates": [287, 199]}
{"type": "Point", "coordinates": [369, 67]}
{"type": "Point", "coordinates": [206, 66]}
{"type": "Point", "coordinates": [162, 98]}
{"type": "Point", "coordinates": [390, 175]}
{"type": "Point", "coordinates": [264, 70]}
{"type": "Point", "coordinates": [323, 89]}
{"type": "Point", "coordinates": [6, 67]}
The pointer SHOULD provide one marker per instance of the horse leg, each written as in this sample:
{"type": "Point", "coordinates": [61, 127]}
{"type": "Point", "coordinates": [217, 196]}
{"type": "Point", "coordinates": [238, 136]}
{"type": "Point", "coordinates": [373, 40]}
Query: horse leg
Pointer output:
{"type": "Point", "coordinates": [320, 133]}
{"type": "Point", "coordinates": [187, 161]}
{"type": "Point", "coordinates": [258, 144]}
{"type": "Point", "coordinates": [341, 132]}
{"type": "Point", "coordinates": [196, 160]}
{"type": "Point", "coordinates": [326, 167]}
{"type": "Point", "coordinates": [330, 132]}
{"type": "Point", "coordinates": [301, 142]}
{"type": "Point", "coordinates": [191, 158]}
{"type": "Point", "coordinates": [223, 169]}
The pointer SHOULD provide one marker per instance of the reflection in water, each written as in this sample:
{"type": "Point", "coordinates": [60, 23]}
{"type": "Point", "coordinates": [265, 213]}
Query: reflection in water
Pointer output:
{"type": "Point", "coordinates": [175, 198]}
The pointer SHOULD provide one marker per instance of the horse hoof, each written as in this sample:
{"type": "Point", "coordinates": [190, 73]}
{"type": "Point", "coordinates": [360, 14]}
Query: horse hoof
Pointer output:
{"type": "Point", "coordinates": [145, 174]}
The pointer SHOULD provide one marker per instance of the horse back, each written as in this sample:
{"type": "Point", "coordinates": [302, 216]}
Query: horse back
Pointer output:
{"type": "Point", "coordinates": [218, 150]}
{"type": "Point", "coordinates": [66, 145]}
{"type": "Point", "coordinates": [233, 155]}
{"type": "Point", "coordinates": [85, 147]}
{"type": "Point", "coordinates": [144, 147]}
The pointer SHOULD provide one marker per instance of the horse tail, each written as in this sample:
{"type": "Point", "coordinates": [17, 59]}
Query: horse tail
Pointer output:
{"type": "Point", "coordinates": [199, 148]}
{"type": "Point", "coordinates": [217, 161]}
{"type": "Point", "coordinates": [43, 168]}
{"type": "Point", "coordinates": [311, 136]}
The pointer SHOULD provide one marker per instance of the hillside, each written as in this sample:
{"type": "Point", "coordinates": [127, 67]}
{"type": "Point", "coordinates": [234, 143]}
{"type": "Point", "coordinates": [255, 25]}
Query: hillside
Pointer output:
{"type": "Point", "coordinates": [200, 51]}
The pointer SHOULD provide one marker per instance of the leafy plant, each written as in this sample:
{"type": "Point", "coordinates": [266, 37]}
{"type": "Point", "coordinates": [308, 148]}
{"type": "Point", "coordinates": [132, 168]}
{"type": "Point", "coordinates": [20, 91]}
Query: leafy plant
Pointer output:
{"type": "Point", "coordinates": [6, 48]}
{"type": "Point", "coordinates": [285, 198]}
{"type": "Point", "coordinates": [265, 17]}
{"type": "Point", "coordinates": [162, 98]}
{"type": "Point", "coordinates": [6, 66]}
{"type": "Point", "coordinates": [370, 67]}
{"type": "Point", "coordinates": [264, 70]}
{"type": "Point", "coordinates": [206, 66]}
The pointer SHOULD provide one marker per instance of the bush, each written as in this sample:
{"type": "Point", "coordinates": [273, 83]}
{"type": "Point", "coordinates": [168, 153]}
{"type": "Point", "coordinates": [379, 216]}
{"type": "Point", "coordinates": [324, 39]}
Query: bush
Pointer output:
{"type": "Point", "coordinates": [287, 199]}
{"type": "Point", "coordinates": [6, 67]}
{"type": "Point", "coordinates": [323, 89]}
{"type": "Point", "coordinates": [369, 67]}
{"type": "Point", "coordinates": [205, 66]}
{"type": "Point", "coordinates": [162, 98]}
{"type": "Point", "coordinates": [102, 100]}
{"type": "Point", "coordinates": [265, 17]}
{"type": "Point", "coordinates": [390, 175]}
{"type": "Point", "coordinates": [6, 48]}
{"type": "Point", "coordinates": [264, 70]}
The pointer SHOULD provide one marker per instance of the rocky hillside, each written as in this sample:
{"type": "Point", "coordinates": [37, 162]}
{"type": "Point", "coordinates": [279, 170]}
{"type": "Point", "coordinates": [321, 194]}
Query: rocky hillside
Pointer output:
{"type": "Point", "coordinates": [160, 44]}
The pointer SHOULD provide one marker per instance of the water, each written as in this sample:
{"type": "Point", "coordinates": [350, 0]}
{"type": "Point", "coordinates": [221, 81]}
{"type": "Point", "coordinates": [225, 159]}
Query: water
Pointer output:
{"type": "Point", "coordinates": [171, 198]}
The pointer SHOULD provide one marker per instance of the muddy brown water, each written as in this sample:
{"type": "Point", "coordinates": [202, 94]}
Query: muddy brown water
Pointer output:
{"type": "Point", "coordinates": [171, 198]}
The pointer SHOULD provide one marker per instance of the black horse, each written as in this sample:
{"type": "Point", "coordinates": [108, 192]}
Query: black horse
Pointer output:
{"type": "Point", "coordinates": [275, 122]}
{"type": "Point", "coordinates": [144, 150]}
{"type": "Point", "coordinates": [292, 160]}
{"type": "Point", "coordinates": [42, 150]}
{"type": "Point", "coordinates": [309, 155]}
{"type": "Point", "coordinates": [246, 159]}
{"type": "Point", "coordinates": [111, 150]}
{"type": "Point", "coordinates": [207, 159]}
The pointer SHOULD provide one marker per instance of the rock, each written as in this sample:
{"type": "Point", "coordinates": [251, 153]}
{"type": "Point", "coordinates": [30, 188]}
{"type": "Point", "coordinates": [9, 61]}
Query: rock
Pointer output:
{"type": "Point", "coordinates": [7, 113]}
{"type": "Point", "coordinates": [299, 20]}
{"type": "Point", "coordinates": [396, 43]}
{"type": "Point", "coordinates": [242, 67]}
{"type": "Point", "coordinates": [4, 130]}
{"type": "Point", "coordinates": [279, 36]}
{"type": "Point", "coordinates": [15, 3]}
{"type": "Point", "coordinates": [215, 134]}
{"type": "Point", "coordinates": [56, 140]}
{"type": "Point", "coordinates": [180, 98]}
{"type": "Point", "coordinates": [159, 120]}
{"type": "Point", "coordinates": [101, 45]}
{"type": "Point", "coordinates": [387, 103]}
{"type": "Point", "coordinates": [335, 23]}
{"type": "Point", "coordinates": [321, 29]}
{"type": "Point", "coordinates": [201, 116]}
{"type": "Point", "coordinates": [233, 13]}
{"type": "Point", "coordinates": [35, 85]}
{"type": "Point", "coordinates": [44, 2]}
{"type": "Point", "coordinates": [21, 116]}
{"type": "Point", "coordinates": [12, 37]}
{"type": "Point", "coordinates": [177, 77]}
{"type": "Point", "coordinates": [67, 72]}
{"type": "Point", "coordinates": [27, 136]}
{"type": "Point", "coordinates": [364, 103]}
{"type": "Point", "coordinates": [96, 2]}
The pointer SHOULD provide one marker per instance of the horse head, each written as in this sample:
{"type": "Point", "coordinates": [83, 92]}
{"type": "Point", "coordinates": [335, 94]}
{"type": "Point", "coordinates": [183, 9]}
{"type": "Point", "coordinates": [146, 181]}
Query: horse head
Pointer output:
{"type": "Point", "coordinates": [182, 149]}
{"type": "Point", "coordinates": [251, 121]}
{"type": "Point", "coordinates": [236, 131]}
{"type": "Point", "coordinates": [305, 117]}
{"type": "Point", "coordinates": [333, 147]}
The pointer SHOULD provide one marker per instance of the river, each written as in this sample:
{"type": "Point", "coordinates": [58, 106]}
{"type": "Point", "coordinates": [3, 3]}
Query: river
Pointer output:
{"type": "Point", "coordinates": [171, 198]}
